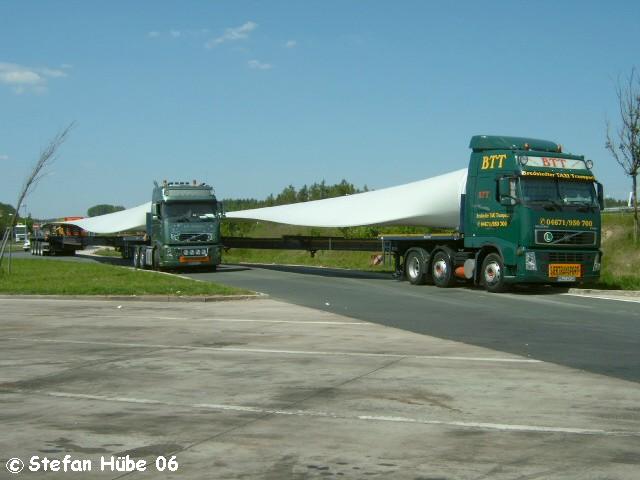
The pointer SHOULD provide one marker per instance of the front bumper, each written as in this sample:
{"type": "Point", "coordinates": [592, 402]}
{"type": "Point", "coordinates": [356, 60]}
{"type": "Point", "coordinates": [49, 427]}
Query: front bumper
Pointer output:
{"type": "Point", "coordinates": [173, 256]}
{"type": "Point", "coordinates": [544, 258]}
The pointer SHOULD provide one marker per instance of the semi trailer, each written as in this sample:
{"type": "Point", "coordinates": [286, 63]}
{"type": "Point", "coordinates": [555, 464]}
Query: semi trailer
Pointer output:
{"type": "Point", "coordinates": [527, 212]}
{"type": "Point", "coordinates": [180, 227]}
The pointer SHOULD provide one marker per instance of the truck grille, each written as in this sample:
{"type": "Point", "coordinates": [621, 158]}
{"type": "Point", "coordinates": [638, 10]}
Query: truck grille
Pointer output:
{"type": "Point", "coordinates": [562, 257]}
{"type": "Point", "coordinates": [194, 237]}
{"type": "Point", "coordinates": [565, 237]}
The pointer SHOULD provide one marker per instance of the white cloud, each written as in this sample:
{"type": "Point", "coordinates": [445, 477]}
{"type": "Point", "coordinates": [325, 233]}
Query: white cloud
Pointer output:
{"type": "Point", "coordinates": [232, 34]}
{"type": "Point", "coordinates": [259, 65]}
{"type": "Point", "coordinates": [28, 79]}
{"type": "Point", "coordinates": [290, 44]}
{"type": "Point", "coordinates": [4, 157]}
{"type": "Point", "coordinates": [175, 33]}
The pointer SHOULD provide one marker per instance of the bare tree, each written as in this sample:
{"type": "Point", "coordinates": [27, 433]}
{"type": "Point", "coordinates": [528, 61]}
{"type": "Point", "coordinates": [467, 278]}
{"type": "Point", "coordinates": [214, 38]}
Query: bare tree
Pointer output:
{"type": "Point", "coordinates": [46, 158]}
{"type": "Point", "coordinates": [624, 144]}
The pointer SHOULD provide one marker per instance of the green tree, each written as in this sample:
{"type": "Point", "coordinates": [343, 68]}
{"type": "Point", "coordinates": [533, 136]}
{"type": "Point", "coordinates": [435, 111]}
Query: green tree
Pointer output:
{"type": "Point", "coordinates": [288, 195]}
{"type": "Point", "coordinates": [303, 194]}
{"type": "Point", "coordinates": [103, 209]}
{"type": "Point", "coordinates": [6, 216]}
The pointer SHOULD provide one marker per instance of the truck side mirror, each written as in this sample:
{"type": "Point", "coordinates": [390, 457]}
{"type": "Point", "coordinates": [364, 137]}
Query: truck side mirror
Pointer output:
{"type": "Point", "coordinates": [600, 195]}
{"type": "Point", "coordinates": [155, 211]}
{"type": "Point", "coordinates": [221, 210]}
{"type": "Point", "coordinates": [506, 191]}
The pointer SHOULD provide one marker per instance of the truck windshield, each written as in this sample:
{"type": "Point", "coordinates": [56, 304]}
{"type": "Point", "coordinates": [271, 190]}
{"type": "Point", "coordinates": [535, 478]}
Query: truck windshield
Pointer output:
{"type": "Point", "coordinates": [188, 212]}
{"type": "Point", "coordinates": [557, 193]}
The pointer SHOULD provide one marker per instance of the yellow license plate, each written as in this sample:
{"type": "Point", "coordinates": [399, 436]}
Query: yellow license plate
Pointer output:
{"type": "Point", "coordinates": [565, 270]}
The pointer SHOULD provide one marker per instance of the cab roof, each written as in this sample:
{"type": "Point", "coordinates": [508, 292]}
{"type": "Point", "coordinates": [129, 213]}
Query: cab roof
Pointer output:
{"type": "Point", "coordinates": [480, 143]}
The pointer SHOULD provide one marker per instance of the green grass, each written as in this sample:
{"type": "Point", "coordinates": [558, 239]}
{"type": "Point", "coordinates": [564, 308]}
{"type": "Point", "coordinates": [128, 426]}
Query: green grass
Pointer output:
{"type": "Point", "coordinates": [55, 277]}
{"type": "Point", "coordinates": [322, 258]}
{"type": "Point", "coordinates": [621, 257]}
{"type": "Point", "coordinates": [15, 247]}
{"type": "Point", "coordinates": [107, 252]}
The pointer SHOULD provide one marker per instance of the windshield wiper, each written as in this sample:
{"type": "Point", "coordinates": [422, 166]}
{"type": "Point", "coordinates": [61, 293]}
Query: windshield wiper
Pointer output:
{"type": "Point", "coordinates": [550, 204]}
{"type": "Point", "coordinates": [583, 206]}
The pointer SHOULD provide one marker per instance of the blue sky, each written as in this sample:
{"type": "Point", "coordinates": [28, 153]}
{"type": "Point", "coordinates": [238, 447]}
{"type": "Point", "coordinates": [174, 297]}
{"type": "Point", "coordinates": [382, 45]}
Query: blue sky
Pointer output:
{"type": "Point", "coordinates": [253, 96]}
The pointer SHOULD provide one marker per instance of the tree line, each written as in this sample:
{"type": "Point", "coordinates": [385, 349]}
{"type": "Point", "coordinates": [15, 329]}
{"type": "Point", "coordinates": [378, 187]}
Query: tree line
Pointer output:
{"type": "Point", "coordinates": [289, 194]}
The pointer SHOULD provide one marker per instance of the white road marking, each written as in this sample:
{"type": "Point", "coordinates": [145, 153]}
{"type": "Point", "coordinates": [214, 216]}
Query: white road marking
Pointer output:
{"type": "Point", "coordinates": [502, 427]}
{"type": "Point", "coordinates": [604, 297]}
{"type": "Point", "coordinates": [276, 352]}
{"type": "Point", "coordinates": [533, 298]}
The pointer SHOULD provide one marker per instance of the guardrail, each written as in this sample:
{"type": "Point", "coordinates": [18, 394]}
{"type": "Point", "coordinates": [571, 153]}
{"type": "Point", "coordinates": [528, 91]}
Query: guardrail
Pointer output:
{"type": "Point", "coordinates": [618, 210]}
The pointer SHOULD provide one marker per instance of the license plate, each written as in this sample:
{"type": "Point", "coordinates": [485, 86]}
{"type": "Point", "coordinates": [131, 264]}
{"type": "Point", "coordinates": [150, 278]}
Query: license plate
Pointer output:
{"type": "Point", "coordinates": [193, 260]}
{"type": "Point", "coordinates": [565, 270]}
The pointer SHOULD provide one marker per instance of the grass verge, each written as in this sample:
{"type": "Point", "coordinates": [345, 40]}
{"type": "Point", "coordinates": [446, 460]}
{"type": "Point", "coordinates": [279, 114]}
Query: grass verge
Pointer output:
{"type": "Point", "coordinates": [50, 277]}
{"type": "Point", "coordinates": [107, 252]}
{"type": "Point", "coordinates": [621, 257]}
{"type": "Point", "coordinates": [322, 258]}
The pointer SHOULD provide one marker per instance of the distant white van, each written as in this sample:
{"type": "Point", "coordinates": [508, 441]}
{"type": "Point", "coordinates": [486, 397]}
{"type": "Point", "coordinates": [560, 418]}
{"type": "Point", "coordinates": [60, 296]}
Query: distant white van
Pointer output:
{"type": "Point", "coordinates": [20, 232]}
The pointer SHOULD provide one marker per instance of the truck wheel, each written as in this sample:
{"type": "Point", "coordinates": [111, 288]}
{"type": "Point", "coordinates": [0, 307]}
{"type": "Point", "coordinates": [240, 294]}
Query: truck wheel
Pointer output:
{"type": "Point", "coordinates": [493, 273]}
{"type": "Point", "coordinates": [136, 258]}
{"type": "Point", "coordinates": [142, 258]}
{"type": "Point", "coordinates": [414, 268]}
{"type": "Point", "coordinates": [442, 270]}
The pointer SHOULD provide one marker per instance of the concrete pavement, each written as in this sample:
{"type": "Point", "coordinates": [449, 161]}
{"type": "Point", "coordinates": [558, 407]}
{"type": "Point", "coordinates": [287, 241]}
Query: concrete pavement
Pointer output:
{"type": "Point", "coordinates": [264, 389]}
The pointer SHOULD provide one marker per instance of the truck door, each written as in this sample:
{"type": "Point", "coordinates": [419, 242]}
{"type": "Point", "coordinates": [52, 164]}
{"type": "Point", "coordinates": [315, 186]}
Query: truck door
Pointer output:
{"type": "Point", "coordinates": [492, 217]}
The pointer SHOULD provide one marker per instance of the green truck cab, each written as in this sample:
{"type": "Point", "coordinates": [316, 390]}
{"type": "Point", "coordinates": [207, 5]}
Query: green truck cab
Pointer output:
{"type": "Point", "coordinates": [536, 208]}
{"type": "Point", "coordinates": [530, 214]}
{"type": "Point", "coordinates": [183, 228]}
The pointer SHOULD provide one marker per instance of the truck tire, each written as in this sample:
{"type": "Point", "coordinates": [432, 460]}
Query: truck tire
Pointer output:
{"type": "Point", "coordinates": [493, 273]}
{"type": "Point", "coordinates": [442, 270]}
{"type": "Point", "coordinates": [142, 258]}
{"type": "Point", "coordinates": [415, 268]}
{"type": "Point", "coordinates": [136, 258]}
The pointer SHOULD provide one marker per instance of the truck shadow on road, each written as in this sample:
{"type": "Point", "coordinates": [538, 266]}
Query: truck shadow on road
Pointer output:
{"type": "Point", "coordinates": [318, 271]}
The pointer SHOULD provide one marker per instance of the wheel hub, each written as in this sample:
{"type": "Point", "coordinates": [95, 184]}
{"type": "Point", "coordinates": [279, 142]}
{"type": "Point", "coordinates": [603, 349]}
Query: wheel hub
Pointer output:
{"type": "Point", "coordinates": [492, 273]}
{"type": "Point", "coordinates": [414, 268]}
{"type": "Point", "coordinates": [440, 269]}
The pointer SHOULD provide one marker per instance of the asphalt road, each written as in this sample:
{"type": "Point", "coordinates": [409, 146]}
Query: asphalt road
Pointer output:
{"type": "Point", "coordinates": [596, 335]}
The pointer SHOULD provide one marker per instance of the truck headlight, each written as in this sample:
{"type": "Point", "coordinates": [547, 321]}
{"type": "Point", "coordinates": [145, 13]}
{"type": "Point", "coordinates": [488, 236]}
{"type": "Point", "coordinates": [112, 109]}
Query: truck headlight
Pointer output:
{"type": "Point", "coordinates": [596, 263]}
{"type": "Point", "coordinates": [530, 261]}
